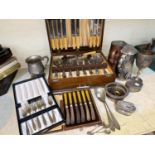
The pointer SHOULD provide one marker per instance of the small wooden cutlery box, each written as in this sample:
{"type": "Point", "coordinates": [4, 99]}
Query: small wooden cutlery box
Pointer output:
{"type": "Point", "coordinates": [76, 53]}
{"type": "Point", "coordinates": [36, 107]}
{"type": "Point", "coordinates": [78, 108]}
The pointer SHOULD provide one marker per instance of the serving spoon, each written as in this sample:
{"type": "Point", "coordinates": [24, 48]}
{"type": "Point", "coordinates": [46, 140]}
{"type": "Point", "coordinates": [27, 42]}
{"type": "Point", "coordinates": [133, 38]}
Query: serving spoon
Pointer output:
{"type": "Point", "coordinates": [113, 123]}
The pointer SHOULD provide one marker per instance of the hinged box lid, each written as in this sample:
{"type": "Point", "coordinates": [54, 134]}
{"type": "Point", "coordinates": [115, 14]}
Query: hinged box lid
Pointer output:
{"type": "Point", "coordinates": [74, 35]}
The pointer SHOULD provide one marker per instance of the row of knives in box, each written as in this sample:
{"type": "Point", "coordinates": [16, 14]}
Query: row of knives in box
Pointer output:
{"type": "Point", "coordinates": [78, 107]}
{"type": "Point", "coordinates": [76, 66]}
{"type": "Point", "coordinates": [37, 110]}
{"type": "Point", "coordinates": [65, 33]}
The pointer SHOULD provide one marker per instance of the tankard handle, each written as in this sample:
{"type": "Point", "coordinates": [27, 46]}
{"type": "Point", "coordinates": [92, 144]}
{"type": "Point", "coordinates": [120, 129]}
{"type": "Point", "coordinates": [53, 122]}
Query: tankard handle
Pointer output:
{"type": "Point", "coordinates": [47, 59]}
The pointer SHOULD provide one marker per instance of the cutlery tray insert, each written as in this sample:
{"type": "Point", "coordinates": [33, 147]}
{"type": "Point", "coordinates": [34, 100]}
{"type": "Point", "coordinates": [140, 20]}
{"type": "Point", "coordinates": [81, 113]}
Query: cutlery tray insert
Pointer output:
{"type": "Point", "coordinates": [76, 53]}
{"type": "Point", "coordinates": [78, 108]}
{"type": "Point", "coordinates": [36, 107]}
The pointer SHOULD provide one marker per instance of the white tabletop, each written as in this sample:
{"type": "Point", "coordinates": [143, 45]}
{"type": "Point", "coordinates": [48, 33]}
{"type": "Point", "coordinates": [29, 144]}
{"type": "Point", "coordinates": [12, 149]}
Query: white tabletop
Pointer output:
{"type": "Point", "coordinates": [141, 122]}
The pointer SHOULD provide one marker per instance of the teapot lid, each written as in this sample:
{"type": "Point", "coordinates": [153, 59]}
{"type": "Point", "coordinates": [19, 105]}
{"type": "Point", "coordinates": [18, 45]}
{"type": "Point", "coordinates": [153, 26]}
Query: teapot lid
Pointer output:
{"type": "Point", "coordinates": [129, 50]}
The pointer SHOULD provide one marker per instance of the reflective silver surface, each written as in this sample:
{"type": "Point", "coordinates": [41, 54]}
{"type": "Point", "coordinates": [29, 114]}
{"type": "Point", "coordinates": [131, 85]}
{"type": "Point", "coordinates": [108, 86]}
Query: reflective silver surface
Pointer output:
{"type": "Point", "coordinates": [35, 65]}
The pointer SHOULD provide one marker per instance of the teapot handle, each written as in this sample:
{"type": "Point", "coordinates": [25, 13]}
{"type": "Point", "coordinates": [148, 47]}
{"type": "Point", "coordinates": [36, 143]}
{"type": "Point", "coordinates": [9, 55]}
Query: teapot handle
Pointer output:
{"type": "Point", "coordinates": [47, 59]}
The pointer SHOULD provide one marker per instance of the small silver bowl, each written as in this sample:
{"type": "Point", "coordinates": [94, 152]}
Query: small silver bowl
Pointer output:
{"type": "Point", "coordinates": [134, 84]}
{"type": "Point", "coordinates": [116, 91]}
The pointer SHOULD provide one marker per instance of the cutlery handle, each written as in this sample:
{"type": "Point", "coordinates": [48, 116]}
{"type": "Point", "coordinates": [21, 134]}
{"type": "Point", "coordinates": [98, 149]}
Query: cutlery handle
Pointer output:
{"type": "Point", "coordinates": [83, 95]}
{"type": "Point", "coordinates": [87, 112]}
{"type": "Point", "coordinates": [74, 98]}
{"type": "Point", "coordinates": [44, 119]}
{"type": "Point", "coordinates": [116, 124]}
{"type": "Point", "coordinates": [77, 41]}
{"type": "Point", "coordinates": [57, 43]}
{"type": "Point", "coordinates": [76, 108]}
{"type": "Point", "coordinates": [67, 116]}
{"type": "Point", "coordinates": [53, 44]}
{"type": "Point", "coordinates": [90, 105]}
{"type": "Point", "coordinates": [61, 43]}
{"type": "Point", "coordinates": [71, 109]}
{"type": "Point", "coordinates": [53, 116]}
{"type": "Point", "coordinates": [66, 109]}
{"type": "Point", "coordinates": [73, 42]}
{"type": "Point", "coordinates": [65, 43]}
{"type": "Point", "coordinates": [50, 117]}
{"type": "Point", "coordinates": [111, 124]}
{"type": "Point", "coordinates": [86, 106]}
{"type": "Point", "coordinates": [90, 41]}
{"type": "Point", "coordinates": [33, 124]}
{"type": "Point", "coordinates": [72, 117]}
{"type": "Point", "coordinates": [79, 97]}
{"type": "Point", "coordinates": [27, 129]}
{"type": "Point", "coordinates": [38, 123]}
{"type": "Point", "coordinates": [77, 114]}
{"type": "Point", "coordinates": [98, 40]}
{"type": "Point", "coordinates": [94, 41]}
{"type": "Point", "coordinates": [83, 119]}
{"type": "Point", "coordinates": [93, 117]}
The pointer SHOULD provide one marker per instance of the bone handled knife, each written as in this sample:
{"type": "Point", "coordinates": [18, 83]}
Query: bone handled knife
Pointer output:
{"type": "Point", "coordinates": [66, 109]}
{"type": "Point", "coordinates": [76, 108]}
{"type": "Point", "coordinates": [60, 33]}
{"type": "Point", "coordinates": [98, 36]}
{"type": "Point", "coordinates": [86, 106]}
{"type": "Point", "coordinates": [72, 117]}
{"type": "Point", "coordinates": [73, 33]}
{"type": "Point", "coordinates": [65, 42]}
{"type": "Point", "coordinates": [57, 33]}
{"type": "Point", "coordinates": [94, 32]}
{"type": "Point", "coordinates": [91, 33]}
{"type": "Point", "coordinates": [83, 118]}
{"type": "Point", "coordinates": [52, 34]}
{"type": "Point", "coordinates": [77, 29]}
{"type": "Point", "coordinates": [93, 117]}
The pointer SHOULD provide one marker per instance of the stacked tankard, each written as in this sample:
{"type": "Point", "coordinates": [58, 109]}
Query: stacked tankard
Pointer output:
{"type": "Point", "coordinates": [122, 56]}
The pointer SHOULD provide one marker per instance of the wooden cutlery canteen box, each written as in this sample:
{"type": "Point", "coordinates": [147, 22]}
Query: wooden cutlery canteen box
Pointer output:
{"type": "Point", "coordinates": [77, 63]}
{"type": "Point", "coordinates": [76, 53]}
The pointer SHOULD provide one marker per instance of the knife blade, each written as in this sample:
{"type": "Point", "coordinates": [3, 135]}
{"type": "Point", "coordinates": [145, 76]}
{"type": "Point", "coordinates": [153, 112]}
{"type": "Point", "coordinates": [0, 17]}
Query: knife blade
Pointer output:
{"type": "Point", "coordinates": [60, 33]}
{"type": "Point", "coordinates": [52, 34]}
{"type": "Point", "coordinates": [72, 117]}
{"type": "Point", "coordinates": [83, 119]}
{"type": "Point", "coordinates": [98, 36]}
{"type": "Point", "coordinates": [66, 109]}
{"type": "Point", "coordinates": [76, 108]}
{"type": "Point", "coordinates": [73, 33]}
{"type": "Point", "coordinates": [94, 32]}
{"type": "Point", "coordinates": [91, 23]}
{"type": "Point", "coordinates": [88, 117]}
{"type": "Point", "coordinates": [77, 33]}
{"type": "Point", "coordinates": [93, 117]}
{"type": "Point", "coordinates": [65, 42]}
{"type": "Point", "coordinates": [56, 33]}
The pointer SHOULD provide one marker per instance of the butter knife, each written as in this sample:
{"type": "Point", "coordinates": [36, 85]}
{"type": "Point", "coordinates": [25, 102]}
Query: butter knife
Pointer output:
{"type": "Point", "coordinates": [83, 119]}
{"type": "Point", "coordinates": [72, 117]}
{"type": "Point", "coordinates": [52, 34]}
{"type": "Point", "coordinates": [76, 108]}
{"type": "Point", "coordinates": [93, 117]}
{"type": "Point", "coordinates": [86, 106]}
{"type": "Point", "coordinates": [73, 26]}
{"type": "Point", "coordinates": [65, 43]}
{"type": "Point", "coordinates": [66, 109]}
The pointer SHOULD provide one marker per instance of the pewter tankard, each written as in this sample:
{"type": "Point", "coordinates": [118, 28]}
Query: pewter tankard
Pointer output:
{"type": "Point", "coordinates": [35, 65]}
